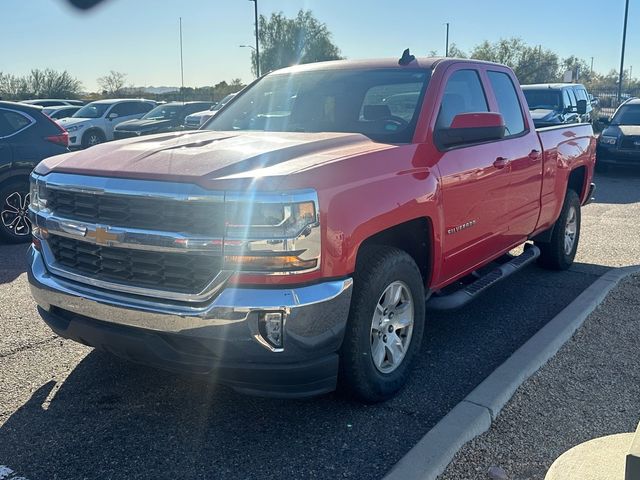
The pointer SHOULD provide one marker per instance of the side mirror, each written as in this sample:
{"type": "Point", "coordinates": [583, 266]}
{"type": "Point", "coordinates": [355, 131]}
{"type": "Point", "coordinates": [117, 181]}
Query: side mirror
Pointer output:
{"type": "Point", "coordinates": [111, 116]}
{"type": "Point", "coordinates": [582, 107]}
{"type": "Point", "coordinates": [604, 120]}
{"type": "Point", "coordinates": [469, 128]}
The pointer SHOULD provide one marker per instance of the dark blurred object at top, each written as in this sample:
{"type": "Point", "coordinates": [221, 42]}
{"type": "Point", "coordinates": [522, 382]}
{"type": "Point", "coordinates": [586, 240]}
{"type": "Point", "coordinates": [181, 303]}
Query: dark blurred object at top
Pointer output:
{"type": "Point", "coordinates": [84, 4]}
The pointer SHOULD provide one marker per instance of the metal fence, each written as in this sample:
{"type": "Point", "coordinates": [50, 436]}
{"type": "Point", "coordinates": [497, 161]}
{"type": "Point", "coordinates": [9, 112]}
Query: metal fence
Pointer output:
{"type": "Point", "coordinates": [607, 100]}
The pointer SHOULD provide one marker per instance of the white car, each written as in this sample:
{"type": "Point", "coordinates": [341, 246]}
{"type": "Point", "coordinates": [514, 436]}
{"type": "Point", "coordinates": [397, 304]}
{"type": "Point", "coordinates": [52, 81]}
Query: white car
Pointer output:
{"type": "Point", "coordinates": [195, 120]}
{"type": "Point", "coordinates": [94, 123]}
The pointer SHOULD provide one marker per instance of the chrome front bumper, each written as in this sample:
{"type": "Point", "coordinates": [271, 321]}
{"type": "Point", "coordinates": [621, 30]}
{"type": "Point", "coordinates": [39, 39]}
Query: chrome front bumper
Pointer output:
{"type": "Point", "coordinates": [226, 326]}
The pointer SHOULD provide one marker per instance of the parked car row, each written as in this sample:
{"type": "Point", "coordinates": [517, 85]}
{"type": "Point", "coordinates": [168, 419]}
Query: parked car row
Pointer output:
{"type": "Point", "coordinates": [112, 119]}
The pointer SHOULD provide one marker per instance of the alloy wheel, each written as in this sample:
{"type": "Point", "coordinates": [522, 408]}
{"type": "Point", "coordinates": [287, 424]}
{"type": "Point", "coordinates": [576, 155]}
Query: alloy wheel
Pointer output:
{"type": "Point", "coordinates": [392, 327]}
{"type": "Point", "coordinates": [15, 214]}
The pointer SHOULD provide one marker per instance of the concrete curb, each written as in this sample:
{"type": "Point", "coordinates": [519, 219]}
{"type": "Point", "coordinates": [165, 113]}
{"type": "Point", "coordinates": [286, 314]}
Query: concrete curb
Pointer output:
{"type": "Point", "coordinates": [473, 415]}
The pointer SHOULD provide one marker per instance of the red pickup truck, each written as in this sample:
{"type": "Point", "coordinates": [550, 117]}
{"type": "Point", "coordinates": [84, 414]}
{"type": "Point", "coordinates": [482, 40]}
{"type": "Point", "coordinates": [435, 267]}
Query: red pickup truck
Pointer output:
{"type": "Point", "coordinates": [298, 240]}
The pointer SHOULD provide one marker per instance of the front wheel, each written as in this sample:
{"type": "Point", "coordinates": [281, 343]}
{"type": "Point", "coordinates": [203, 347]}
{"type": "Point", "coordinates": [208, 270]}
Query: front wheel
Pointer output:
{"type": "Point", "coordinates": [15, 226]}
{"type": "Point", "coordinates": [92, 137]}
{"type": "Point", "coordinates": [385, 326]}
{"type": "Point", "coordinates": [559, 253]}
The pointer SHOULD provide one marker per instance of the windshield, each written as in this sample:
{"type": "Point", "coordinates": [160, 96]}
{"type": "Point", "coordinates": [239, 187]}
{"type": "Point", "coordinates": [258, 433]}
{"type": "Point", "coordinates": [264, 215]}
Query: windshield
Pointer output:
{"type": "Point", "coordinates": [382, 104]}
{"type": "Point", "coordinates": [92, 110]}
{"type": "Point", "coordinates": [163, 112]}
{"type": "Point", "coordinates": [543, 99]}
{"type": "Point", "coordinates": [222, 102]}
{"type": "Point", "coordinates": [627, 115]}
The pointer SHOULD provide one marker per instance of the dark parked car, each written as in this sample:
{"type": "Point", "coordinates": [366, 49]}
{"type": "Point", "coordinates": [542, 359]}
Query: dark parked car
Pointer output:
{"type": "Point", "coordinates": [554, 104]}
{"type": "Point", "coordinates": [26, 137]}
{"type": "Point", "coordinates": [164, 118]}
{"type": "Point", "coordinates": [52, 102]}
{"type": "Point", "coordinates": [619, 142]}
{"type": "Point", "coordinates": [60, 111]}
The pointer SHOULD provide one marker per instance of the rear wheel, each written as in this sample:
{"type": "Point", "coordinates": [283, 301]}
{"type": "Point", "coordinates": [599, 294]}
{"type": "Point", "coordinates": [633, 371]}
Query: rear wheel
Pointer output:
{"type": "Point", "coordinates": [92, 137]}
{"type": "Point", "coordinates": [15, 226]}
{"type": "Point", "coordinates": [385, 325]}
{"type": "Point", "coordinates": [559, 253]}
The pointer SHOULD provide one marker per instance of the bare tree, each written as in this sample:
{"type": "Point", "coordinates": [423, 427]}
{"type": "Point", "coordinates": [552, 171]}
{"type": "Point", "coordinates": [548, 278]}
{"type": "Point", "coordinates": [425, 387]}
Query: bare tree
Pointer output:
{"type": "Point", "coordinates": [113, 82]}
{"type": "Point", "coordinates": [49, 83]}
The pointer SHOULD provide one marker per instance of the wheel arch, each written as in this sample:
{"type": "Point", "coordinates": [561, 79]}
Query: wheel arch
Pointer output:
{"type": "Point", "coordinates": [414, 237]}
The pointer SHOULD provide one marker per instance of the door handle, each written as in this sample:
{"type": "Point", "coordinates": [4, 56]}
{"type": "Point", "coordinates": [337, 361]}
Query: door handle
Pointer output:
{"type": "Point", "coordinates": [501, 162]}
{"type": "Point", "coordinates": [534, 154]}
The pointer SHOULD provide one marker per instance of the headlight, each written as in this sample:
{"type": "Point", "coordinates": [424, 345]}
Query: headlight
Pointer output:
{"type": "Point", "coordinates": [272, 233]}
{"type": "Point", "coordinates": [37, 200]}
{"type": "Point", "coordinates": [74, 128]}
{"type": "Point", "coordinates": [607, 140]}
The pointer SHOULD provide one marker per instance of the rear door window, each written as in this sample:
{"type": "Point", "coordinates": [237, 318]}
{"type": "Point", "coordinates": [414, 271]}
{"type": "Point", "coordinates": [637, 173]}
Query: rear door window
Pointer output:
{"type": "Point", "coordinates": [12, 122]}
{"type": "Point", "coordinates": [508, 102]}
{"type": "Point", "coordinates": [463, 94]}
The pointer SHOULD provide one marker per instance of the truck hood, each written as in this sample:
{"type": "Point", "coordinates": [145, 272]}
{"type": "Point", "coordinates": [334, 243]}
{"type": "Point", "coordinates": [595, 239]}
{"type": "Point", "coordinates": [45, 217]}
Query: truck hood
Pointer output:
{"type": "Point", "coordinates": [202, 156]}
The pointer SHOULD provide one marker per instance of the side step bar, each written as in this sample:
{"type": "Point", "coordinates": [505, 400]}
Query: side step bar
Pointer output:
{"type": "Point", "coordinates": [461, 297]}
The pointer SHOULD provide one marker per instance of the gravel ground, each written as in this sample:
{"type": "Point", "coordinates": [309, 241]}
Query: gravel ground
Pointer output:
{"type": "Point", "coordinates": [591, 388]}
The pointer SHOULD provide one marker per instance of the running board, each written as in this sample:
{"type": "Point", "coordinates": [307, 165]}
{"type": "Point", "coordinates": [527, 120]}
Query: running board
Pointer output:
{"type": "Point", "coordinates": [461, 297]}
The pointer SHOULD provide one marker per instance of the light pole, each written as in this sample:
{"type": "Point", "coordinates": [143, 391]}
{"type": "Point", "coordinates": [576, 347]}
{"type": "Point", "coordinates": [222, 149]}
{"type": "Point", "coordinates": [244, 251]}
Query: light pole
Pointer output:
{"type": "Point", "coordinates": [257, 49]}
{"type": "Point", "coordinates": [591, 66]}
{"type": "Point", "coordinates": [252, 48]}
{"type": "Point", "coordinates": [446, 49]}
{"type": "Point", "coordinates": [181, 64]}
{"type": "Point", "coordinates": [624, 40]}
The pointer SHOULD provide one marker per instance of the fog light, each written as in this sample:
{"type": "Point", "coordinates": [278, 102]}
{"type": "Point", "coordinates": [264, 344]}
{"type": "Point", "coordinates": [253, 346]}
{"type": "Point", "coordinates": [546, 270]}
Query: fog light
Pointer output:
{"type": "Point", "coordinates": [271, 328]}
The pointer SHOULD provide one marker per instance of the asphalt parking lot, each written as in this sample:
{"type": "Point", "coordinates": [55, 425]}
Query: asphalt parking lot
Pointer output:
{"type": "Point", "coordinates": [69, 412]}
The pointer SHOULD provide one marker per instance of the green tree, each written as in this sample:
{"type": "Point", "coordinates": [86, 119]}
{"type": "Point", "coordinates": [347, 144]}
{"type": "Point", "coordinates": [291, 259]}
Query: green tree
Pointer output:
{"type": "Point", "coordinates": [454, 51]}
{"type": "Point", "coordinates": [530, 64]}
{"type": "Point", "coordinates": [578, 67]}
{"type": "Point", "coordinates": [291, 41]}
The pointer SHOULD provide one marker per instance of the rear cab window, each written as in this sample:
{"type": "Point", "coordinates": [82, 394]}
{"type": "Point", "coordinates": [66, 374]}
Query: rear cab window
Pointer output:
{"type": "Point", "coordinates": [508, 102]}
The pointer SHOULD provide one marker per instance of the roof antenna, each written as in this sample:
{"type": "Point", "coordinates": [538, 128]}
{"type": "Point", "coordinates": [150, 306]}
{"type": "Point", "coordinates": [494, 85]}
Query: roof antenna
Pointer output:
{"type": "Point", "coordinates": [406, 58]}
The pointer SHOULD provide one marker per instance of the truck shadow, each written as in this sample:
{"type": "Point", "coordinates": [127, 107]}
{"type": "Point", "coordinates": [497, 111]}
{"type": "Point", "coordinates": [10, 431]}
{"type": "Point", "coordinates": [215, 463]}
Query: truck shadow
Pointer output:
{"type": "Point", "coordinates": [13, 261]}
{"type": "Point", "coordinates": [112, 419]}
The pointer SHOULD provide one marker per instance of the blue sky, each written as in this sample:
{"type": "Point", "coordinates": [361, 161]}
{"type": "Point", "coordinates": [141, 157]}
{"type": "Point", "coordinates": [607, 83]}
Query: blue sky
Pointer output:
{"type": "Point", "coordinates": [140, 37]}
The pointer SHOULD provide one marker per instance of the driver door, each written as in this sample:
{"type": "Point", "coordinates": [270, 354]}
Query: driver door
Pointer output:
{"type": "Point", "coordinates": [475, 183]}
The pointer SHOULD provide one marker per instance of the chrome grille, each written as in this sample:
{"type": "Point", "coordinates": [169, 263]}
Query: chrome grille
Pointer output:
{"type": "Point", "coordinates": [138, 212]}
{"type": "Point", "coordinates": [176, 272]}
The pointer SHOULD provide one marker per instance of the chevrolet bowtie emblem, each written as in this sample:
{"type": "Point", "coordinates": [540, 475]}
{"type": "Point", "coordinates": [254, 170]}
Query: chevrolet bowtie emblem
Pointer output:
{"type": "Point", "coordinates": [101, 236]}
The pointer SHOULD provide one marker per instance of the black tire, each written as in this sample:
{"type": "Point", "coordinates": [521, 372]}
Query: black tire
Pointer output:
{"type": "Point", "coordinates": [15, 226]}
{"type": "Point", "coordinates": [555, 255]}
{"type": "Point", "coordinates": [378, 268]}
{"type": "Point", "coordinates": [92, 137]}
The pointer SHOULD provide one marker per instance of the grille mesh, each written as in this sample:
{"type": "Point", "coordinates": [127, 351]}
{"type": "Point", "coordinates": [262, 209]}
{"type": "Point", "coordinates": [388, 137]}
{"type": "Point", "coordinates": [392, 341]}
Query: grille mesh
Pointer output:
{"type": "Point", "coordinates": [136, 212]}
{"type": "Point", "coordinates": [176, 272]}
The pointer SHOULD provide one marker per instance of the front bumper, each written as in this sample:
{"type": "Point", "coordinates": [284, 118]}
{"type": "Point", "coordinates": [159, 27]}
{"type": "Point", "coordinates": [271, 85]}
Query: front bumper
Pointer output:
{"type": "Point", "coordinates": [615, 156]}
{"type": "Point", "coordinates": [120, 134]}
{"type": "Point", "coordinates": [219, 340]}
